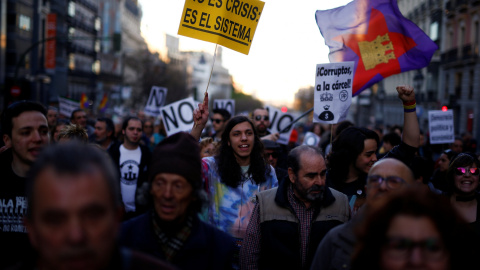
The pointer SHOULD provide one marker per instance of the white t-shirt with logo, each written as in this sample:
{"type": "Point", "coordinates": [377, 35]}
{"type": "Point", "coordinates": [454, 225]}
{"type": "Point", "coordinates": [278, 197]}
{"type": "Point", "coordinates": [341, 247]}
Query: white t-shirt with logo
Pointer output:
{"type": "Point", "coordinates": [129, 171]}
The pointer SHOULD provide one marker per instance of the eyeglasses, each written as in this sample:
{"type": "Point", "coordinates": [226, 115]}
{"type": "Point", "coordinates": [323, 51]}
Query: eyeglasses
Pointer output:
{"type": "Point", "coordinates": [217, 121]}
{"type": "Point", "coordinates": [259, 117]}
{"type": "Point", "coordinates": [274, 155]}
{"type": "Point", "coordinates": [393, 182]}
{"type": "Point", "coordinates": [401, 248]}
{"type": "Point", "coordinates": [463, 170]}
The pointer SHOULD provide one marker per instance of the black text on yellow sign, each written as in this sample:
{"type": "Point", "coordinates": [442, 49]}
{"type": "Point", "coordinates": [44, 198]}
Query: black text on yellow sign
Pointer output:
{"type": "Point", "coordinates": [230, 23]}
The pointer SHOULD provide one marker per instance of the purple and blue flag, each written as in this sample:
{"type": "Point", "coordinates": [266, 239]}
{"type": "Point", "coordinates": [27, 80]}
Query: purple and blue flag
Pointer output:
{"type": "Point", "coordinates": [377, 37]}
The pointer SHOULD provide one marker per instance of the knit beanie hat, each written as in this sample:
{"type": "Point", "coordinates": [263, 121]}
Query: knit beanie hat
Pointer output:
{"type": "Point", "coordinates": [178, 154]}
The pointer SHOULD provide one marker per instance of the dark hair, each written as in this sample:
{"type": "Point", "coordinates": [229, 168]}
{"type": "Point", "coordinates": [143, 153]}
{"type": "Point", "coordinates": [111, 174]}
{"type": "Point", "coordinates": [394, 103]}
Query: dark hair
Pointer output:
{"type": "Point", "coordinates": [230, 171]}
{"type": "Point", "coordinates": [17, 108]}
{"type": "Point", "coordinates": [421, 167]}
{"type": "Point", "coordinates": [109, 125]}
{"type": "Point", "coordinates": [345, 150]}
{"type": "Point", "coordinates": [74, 158]}
{"type": "Point", "coordinates": [74, 112]}
{"type": "Point", "coordinates": [225, 114]}
{"type": "Point", "coordinates": [461, 160]}
{"type": "Point", "coordinates": [342, 126]}
{"type": "Point", "coordinates": [295, 155]}
{"type": "Point", "coordinates": [126, 120]}
{"type": "Point", "coordinates": [457, 236]}
{"type": "Point", "coordinates": [392, 138]}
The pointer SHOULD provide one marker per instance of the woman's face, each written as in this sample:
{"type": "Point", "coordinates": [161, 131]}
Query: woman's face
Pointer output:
{"type": "Point", "coordinates": [367, 158]}
{"type": "Point", "coordinates": [414, 243]}
{"type": "Point", "coordinates": [443, 163]}
{"type": "Point", "coordinates": [466, 182]}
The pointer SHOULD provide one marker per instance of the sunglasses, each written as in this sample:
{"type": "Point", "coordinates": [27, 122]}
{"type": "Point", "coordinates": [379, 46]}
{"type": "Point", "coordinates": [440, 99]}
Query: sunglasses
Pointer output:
{"type": "Point", "coordinates": [217, 121]}
{"type": "Point", "coordinates": [259, 117]}
{"type": "Point", "coordinates": [274, 155]}
{"type": "Point", "coordinates": [463, 170]}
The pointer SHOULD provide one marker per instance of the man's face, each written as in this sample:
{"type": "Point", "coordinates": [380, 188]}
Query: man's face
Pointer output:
{"type": "Point", "coordinates": [242, 139]}
{"type": "Point", "coordinates": [74, 222]}
{"type": "Point", "coordinates": [148, 128]}
{"type": "Point", "coordinates": [172, 194]}
{"type": "Point", "coordinates": [80, 118]}
{"type": "Point", "coordinates": [29, 136]}
{"type": "Point", "coordinates": [52, 117]}
{"type": "Point", "coordinates": [309, 183]}
{"type": "Point", "coordinates": [218, 122]}
{"type": "Point", "coordinates": [261, 120]}
{"type": "Point", "coordinates": [367, 158]}
{"type": "Point", "coordinates": [101, 133]}
{"type": "Point", "coordinates": [272, 157]}
{"type": "Point", "coordinates": [385, 168]}
{"type": "Point", "coordinates": [133, 132]}
{"type": "Point", "coordinates": [457, 146]}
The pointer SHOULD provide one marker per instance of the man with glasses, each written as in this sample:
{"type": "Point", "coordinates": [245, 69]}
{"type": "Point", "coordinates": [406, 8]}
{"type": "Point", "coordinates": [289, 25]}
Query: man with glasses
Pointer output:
{"type": "Point", "coordinates": [219, 121]}
{"type": "Point", "coordinates": [272, 152]}
{"type": "Point", "coordinates": [261, 121]}
{"type": "Point", "coordinates": [385, 176]}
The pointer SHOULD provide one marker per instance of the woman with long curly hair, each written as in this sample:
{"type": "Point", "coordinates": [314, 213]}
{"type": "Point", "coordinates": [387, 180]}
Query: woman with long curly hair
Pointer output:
{"type": "Point", "coordinates": [235, 175]}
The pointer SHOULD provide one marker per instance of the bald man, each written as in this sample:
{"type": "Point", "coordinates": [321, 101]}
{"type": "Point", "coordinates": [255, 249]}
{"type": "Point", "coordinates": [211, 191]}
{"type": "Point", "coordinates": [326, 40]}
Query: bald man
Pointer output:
{"type": "Point", "coordinates": [385, 176]}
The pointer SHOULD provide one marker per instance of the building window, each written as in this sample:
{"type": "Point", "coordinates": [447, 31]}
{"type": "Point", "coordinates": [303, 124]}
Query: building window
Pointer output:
{"type": "Point", "coordinates": [97, 46]}
{"type": "Point", "coordinates": [96, 67]}
{"type": "Point", "coordinates": [447, 81]}
{"type": "Point", "coordinates": [434, 31]}
{"type": "Point", "coordinates": [458, 85]}
{"type": "Point", "coordinates": [24, 22]}
{"type": "Point", "coordinates": [470, 84]}
{"type": "Point", "coordinates": [98, 23]}
{"type": "Point", "coordinates": [71, 32]}
{"type": "Point", "coordinates": [71, 61]}
{"type": "Point", "coordinates": [476, 36]}
{"type": "Point", "coordinates": [71, 9]}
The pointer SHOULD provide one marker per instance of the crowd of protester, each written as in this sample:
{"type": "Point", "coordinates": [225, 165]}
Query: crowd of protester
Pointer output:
{"type": "Point", "coordinates": [86, 193]}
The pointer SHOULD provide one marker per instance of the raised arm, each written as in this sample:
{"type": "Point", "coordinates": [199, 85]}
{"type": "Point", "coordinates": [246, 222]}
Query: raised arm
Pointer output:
{"type": "Point", "coordinates": [411, 129]}
{"type": "Point", "coordinates": [200, 118]}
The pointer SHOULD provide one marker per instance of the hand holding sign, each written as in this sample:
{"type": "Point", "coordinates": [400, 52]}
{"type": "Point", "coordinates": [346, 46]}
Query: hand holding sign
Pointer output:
{"type": "Point", "coordinates": [200, 118]}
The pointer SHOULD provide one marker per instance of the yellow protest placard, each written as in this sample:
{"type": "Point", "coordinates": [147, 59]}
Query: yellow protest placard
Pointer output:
{"type": "Point", "coordinates": [231, 23]}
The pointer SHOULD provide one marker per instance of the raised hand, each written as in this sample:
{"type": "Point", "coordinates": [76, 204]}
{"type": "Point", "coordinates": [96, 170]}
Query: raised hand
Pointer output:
{"type": "Point", "coordinates": [406, 93]}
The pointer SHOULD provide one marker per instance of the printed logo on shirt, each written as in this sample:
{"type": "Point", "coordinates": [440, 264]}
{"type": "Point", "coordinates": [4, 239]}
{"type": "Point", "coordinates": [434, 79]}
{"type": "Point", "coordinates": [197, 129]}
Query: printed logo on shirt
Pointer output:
{"type": "Point", "coordinates": [11, 214]}
{"type": "Point", "coordinates": [129, 172]}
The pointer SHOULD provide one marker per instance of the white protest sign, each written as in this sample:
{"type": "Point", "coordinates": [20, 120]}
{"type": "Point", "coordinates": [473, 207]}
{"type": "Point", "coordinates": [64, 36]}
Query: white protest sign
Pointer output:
{"type": "Point", "coordinates": [440, 125]}
{"type": "Point", "coordinates": [333, 92]}
{"type": "Point", "coordinates": [311, 139]}
{"type": "Point", "coordinates": [227, 104]}
{"type": "Point", "coordinates": [156, 100]}
{"type": "Point", "coordinates": [279, 121]}
{"type": "Point", "coordinates": [178, 116]}
{"type": "Point", "coordinates": [67, 106]}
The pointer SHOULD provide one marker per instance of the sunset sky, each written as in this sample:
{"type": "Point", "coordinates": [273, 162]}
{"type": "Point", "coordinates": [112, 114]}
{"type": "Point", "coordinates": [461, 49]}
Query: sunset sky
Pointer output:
{"type": "Point", "coordinates": [285, 50]}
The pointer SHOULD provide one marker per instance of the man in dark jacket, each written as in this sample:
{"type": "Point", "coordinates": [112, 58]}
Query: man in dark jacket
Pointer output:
{"type": "Point", "coordinates": [172, 230]}
{"type": "Point", "coordinates": [132, 160]}
{"type": "Point", "coordinates": [74, 212]}
{"type": "Point", "coordinates": [293, 217]}
{"type": "Point", "coordinates": [335, 250]}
